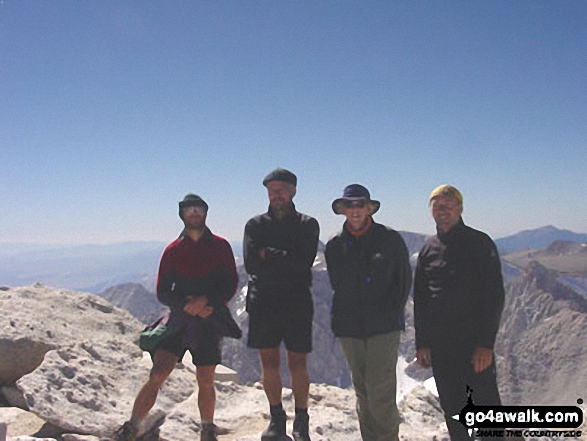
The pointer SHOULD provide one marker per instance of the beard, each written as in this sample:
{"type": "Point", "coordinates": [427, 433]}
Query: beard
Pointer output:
{"type": "Point", "coordinates": [280, 206]}
{"type": "Point", "coordinates": [197, 224]}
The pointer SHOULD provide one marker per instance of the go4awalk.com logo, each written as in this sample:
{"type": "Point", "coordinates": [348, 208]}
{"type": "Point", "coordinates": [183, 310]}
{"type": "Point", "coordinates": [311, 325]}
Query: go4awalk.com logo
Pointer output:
{"type": "Point", "coordinates": [500, 421]}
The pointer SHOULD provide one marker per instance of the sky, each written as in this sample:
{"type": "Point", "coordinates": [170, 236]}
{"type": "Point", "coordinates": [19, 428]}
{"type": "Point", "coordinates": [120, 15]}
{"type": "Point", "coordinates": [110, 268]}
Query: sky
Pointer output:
{"type": "Point", "coordinates": [111, 111]}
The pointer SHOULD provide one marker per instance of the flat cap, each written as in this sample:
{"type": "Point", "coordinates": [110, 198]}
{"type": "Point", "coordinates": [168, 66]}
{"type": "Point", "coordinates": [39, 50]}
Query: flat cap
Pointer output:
{"type": "Point", "coordinates": [281, 174]}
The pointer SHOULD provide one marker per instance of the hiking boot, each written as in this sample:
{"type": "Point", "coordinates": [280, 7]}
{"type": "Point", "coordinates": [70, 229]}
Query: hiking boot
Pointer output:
{"type": "Point", "coordinates": [127, 432]}
{"type": "Point", "coordinates": [276, 429]}
{"type": "Point", "coordinates": [208, 433]}
{"type": "Point", "coordinates": [301, 427]}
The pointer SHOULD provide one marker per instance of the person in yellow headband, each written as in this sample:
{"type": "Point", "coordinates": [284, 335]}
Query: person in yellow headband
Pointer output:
{"type": "Point", "coordinates": [458, 301]}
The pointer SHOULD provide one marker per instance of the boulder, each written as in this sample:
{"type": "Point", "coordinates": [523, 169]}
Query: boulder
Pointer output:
{"type": "Point", "coordinates": [422, 415]}
{"type": "Point", "coordinates": [13, 396]}
{"type": "Point", "coordinates": [90, 387]}
{"type": "Point", "coordinates": [19, 422]}
{"type": "Point", "coordinates": [37, 319]}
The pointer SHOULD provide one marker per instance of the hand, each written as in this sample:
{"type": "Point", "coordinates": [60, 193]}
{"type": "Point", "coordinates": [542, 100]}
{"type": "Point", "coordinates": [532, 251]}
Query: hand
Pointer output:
{"type": "Point", "coordinates": [482, 358]}
{"type": "Point", "coordinates": [262, 253]}
{"type": "Point", "coordinates": [206, 312]}
{"type": "Point", "coordinates": [197, 306]}
{"type": "Point", "coordinates": [423, 357]}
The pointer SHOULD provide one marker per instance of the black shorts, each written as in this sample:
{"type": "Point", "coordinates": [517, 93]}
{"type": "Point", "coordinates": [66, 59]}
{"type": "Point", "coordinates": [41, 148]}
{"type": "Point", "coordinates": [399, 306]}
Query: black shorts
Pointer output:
{"type": "Point", "coordinates": [281, 316]}
{"type": "Point", "coordinates": [205, 345]}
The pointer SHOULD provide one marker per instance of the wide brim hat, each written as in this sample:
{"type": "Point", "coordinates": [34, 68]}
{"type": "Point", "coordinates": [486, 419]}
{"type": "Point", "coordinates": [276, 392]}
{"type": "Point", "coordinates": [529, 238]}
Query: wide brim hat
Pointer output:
{"type": "Point", "coordinates": [355, 192]}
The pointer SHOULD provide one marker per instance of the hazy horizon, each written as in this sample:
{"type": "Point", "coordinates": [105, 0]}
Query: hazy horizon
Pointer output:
{"type": "Point", "coordinates": [235, 243]}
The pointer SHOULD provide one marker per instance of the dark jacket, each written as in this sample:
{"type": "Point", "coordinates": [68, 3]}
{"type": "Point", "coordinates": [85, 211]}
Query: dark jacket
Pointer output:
{"type": "Point", "coordinates": [458, 289]}
{"type": "Point", "coordinates": [290, 245]}
{"type": "Point", "coordinates": [371, 279]}
{"type": "Point", "coordinates": [202, 268]}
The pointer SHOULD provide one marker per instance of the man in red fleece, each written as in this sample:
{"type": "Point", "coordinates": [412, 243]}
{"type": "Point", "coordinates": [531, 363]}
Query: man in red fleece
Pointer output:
{"type": "Point", "coordinates": [197, 277]}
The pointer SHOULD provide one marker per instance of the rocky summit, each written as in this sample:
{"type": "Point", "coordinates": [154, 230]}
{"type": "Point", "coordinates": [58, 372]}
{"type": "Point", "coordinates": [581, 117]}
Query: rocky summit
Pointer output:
{"type": "Point", "coordinates": [70, 370]}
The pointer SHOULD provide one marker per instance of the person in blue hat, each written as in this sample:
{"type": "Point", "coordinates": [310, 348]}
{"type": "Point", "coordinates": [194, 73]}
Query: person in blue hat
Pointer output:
{"type": "Point", "coordinates": [369, 269]}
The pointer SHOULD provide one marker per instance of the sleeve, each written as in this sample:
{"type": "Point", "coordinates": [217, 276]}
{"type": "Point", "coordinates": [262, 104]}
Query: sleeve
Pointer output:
{"type": "Point", "coordinates": [220, 285]}
{"type": "Point", "coordinates": [296, 260]}
{"type": "Point", "coordinates": [302, 256]}
{"type": "Point", "coordinates": [420, 307]}
{"type": "Point", "coordinates": [229, 263]}
{"type": "Point", "coordinates": [404, 271]}
{"type": "Point", "coordinates": [492, 294]}
{"type": "Point", "coordinates": [166, 282]}
{"type": "Point", "coordinates": [331, 265]}
{"type": "Point", "coordinates": [251, 247]}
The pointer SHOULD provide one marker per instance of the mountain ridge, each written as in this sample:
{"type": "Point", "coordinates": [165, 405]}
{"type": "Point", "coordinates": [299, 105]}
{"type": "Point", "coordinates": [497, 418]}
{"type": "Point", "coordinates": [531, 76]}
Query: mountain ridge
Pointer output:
{"type": "Point", "coordinates": [537, 238]}
{"type": "Point", "coordinates": [94, 268]}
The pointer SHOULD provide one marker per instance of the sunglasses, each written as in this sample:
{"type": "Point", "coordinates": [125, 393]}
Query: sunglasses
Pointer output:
{"type": "Point", "coordinates": [354, 204]}
{"type": "Point", "coordinates": [195, 209]}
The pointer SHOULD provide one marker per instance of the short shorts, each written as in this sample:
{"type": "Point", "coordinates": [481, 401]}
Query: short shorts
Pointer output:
{"type": "Point", "coordinates": [281, 316]}
{"type": "Point", "coordinates": [203, 342]}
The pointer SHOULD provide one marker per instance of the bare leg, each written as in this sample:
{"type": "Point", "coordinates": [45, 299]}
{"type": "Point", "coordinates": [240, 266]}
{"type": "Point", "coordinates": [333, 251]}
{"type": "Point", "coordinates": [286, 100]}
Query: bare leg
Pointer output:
{"type": "Point", "coordinates": [270, 362]}
{"type": "Point", "coordinates": [206, 392]}
{"type": "Point", "coordinates": [300, 382]}
{"type": "Point", "coordinates": [163, 364]}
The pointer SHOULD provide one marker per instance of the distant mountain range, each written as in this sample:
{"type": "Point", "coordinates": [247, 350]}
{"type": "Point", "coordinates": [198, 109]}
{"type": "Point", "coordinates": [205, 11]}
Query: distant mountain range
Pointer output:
{"type": "Point", "coordinates": [566, 258]}
{"type": "Point", "coordinates": [537, 238]}
{"type": "Point", "coordinates": [90, 268]}
{"type": "Point", "coordinates": [94, 268]}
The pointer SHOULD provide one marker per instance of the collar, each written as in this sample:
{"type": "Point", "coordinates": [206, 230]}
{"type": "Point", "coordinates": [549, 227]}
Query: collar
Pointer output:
{"type": "Point", "coordinates": [206, 235]}
{"type": "Point", "coordinates": [291, 215]}
{"type": "Point", "coordinates": [453, 231]}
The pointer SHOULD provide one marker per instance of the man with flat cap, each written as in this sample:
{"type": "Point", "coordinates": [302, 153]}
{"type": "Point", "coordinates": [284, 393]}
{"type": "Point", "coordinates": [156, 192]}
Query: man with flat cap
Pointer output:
{"type": "Point", "coordinates": [369, 269]}
{"type": "Point", "coordinates": [197, 277]}
{"type": "Point", "coordinates": [458, 301]}
{"type": "Point", "coordinates": [279, 250]}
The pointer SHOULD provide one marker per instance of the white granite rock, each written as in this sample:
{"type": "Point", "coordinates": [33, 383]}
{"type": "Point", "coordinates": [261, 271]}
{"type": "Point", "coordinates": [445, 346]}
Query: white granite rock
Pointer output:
{"type": "Point", "coordinates": [89, 387]}
{"type": "Point", "coordinates": [86, 371]}
{"type": "Point", "coordinates": [36, 319]}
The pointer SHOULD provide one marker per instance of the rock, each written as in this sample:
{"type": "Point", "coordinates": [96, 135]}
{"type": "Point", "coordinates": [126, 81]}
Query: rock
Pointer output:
{"type": "Point", "coordinates": [90, 387]}
{"type": "Point", "coordinates": [25, 355]}
{"type": "Point", "coordinates": [422, 415]}
{"type": "Point", "coordinates": [540, 347]}
{"type": "Point", "coordinates": [30, 438]}
{"type": "Point", "coordinates": [74, 437]}
{"type": "Point", "coordinates": [14, 397]}
{"type": "Point", "coordinates": [223, 373]}
{"type": "Point", "coordinates": [20, 422]}
{"type": "Point", "coordinates": [417, 372]}
{"type": "Point", "coordinates": [37, 319]}
{"type": "Point", "coordinates": [244, 410]}
{"type": "Point", "coordinates": [136, 299]}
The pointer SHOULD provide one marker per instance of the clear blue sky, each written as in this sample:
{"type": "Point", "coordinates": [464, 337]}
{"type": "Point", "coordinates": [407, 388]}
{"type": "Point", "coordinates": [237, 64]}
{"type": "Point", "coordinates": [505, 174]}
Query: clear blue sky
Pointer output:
{"type": "Point", "coordinates": [111, 111]}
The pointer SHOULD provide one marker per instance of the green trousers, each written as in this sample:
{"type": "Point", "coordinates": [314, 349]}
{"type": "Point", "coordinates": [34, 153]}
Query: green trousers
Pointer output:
{"type": "Point", "coordinates": [373, 363]}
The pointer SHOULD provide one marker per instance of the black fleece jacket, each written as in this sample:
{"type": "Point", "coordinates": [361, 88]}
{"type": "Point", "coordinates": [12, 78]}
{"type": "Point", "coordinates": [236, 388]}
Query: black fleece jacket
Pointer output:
{"type": "Point", "coordinates": [371, 278]}
{"type": "Point", "coordinates": [458, 289]}
{"type": "Point", "coordinates": [290, 248]}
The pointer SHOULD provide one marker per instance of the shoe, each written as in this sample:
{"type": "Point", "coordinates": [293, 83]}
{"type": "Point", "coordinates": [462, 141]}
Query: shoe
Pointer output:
{"type": "Point", "coordinates": [301, 427]}
{"type": "Point", "coordinates": [127, 432]}
{"type": "Point", "coordinates": [276, 429]}
{"type": "Point", "coordinates": [208, 433]}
